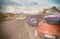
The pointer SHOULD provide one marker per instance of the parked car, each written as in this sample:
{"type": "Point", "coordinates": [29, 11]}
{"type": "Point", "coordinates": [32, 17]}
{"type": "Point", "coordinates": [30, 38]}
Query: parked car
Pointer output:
{"type": "Point", "coordinates": [49, 28]}
{"type": "Point", "coordinates": [52, 19]}
{"type": "Point", "coordinates": [34, 19]}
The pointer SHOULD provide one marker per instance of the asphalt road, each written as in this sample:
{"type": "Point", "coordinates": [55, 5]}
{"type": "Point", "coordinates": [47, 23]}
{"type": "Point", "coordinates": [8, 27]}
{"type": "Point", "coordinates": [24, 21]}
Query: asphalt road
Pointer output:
{"type": "Point", "coordinates": [16, 29]}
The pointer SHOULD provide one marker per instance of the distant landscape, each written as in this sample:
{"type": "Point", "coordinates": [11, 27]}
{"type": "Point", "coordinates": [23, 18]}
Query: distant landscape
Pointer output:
{"type": "Point", "coordinates": [12, 16]}
{"type": "Point", "coordinates": [9, 13]}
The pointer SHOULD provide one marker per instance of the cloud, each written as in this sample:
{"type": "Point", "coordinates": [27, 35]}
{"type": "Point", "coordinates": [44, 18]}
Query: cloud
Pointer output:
{"type": "Point", "coordinates": [30, 2]}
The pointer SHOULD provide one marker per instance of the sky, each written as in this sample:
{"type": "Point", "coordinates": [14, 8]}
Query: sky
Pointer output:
{"type": "Point", "coordinates": [27, 6]}
{"type": "Point", "coordinates": [30, 2]}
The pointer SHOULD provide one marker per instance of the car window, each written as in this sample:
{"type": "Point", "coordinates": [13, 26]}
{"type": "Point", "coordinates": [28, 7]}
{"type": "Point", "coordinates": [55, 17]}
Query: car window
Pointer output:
{"type": "Point", "coordinates": [53, 13]}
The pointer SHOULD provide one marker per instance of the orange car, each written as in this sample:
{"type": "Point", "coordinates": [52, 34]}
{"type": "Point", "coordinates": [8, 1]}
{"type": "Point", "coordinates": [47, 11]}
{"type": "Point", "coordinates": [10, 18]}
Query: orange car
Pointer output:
{"type": "Point", "coordinates": [49, 30]}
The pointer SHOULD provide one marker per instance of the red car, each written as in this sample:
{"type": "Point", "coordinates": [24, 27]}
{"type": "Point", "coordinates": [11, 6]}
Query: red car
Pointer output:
{"type": "Point", "coordinates": [50, 30]}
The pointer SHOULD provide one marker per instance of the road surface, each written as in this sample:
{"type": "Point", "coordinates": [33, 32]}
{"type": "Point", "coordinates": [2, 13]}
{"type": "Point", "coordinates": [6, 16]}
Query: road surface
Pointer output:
{"type": "Point", "coordinates": [16, 29]}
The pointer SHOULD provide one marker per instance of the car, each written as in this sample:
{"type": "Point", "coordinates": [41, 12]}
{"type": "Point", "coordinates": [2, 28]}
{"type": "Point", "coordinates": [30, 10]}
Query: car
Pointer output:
{"type": "Point", "coordinates": [48, 31]}
{"type": "Point", "coordinates": [34, 19]}
{"type": "Point", "coordinates": [49, 28]}
{"type": "Point", "coordinates": [53, 19]}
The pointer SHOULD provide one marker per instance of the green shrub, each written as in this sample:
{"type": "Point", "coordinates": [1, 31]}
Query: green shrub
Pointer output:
{"type": "Point", "coordinates": [2, 15]}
